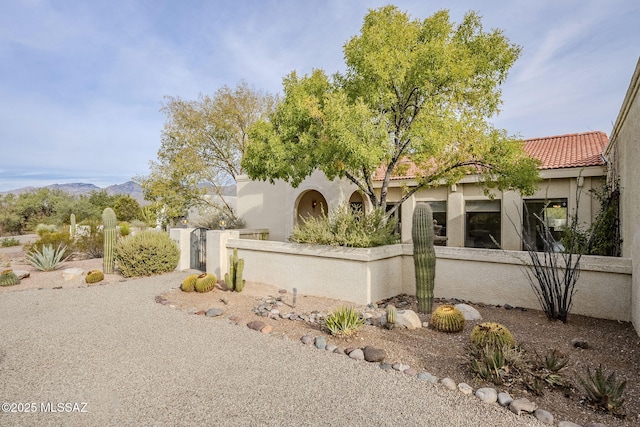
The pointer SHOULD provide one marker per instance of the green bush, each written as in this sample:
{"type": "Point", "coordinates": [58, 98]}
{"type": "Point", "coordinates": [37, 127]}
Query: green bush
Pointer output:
{"type": "Point", "coordinates": [344, 321]}
{"type": "Point", "coordinates": [602, 390]}
{"type": "Point", "coordinates": [125, 230]}
{"type": "Point", "coordinates": [51, 239]}
{"type": "Point", "coordinates": [346, 227]}
{"type": "Point", "coordinates": [90, 239]}
{"type": "Point", "coordinates": [44, 229]}
{"type": "Point", "coordinates": [10, 241]}
{"type": "Point", "coordinates": [146, 253]}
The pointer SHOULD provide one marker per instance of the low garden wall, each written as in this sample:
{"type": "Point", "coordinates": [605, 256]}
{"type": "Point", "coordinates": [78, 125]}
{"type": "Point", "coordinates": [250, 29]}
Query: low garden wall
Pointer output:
{"type": "Point", "coordinates": [362, 276]}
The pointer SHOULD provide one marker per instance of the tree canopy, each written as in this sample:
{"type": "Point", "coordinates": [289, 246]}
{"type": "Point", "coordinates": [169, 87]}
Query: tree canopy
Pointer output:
{"type": "Point", "coordinates": [414, 92]}
{"type": "Point", "coordinates": [202, 145]}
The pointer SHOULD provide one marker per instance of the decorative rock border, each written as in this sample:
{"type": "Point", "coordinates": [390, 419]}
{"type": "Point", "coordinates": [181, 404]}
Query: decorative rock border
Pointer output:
{"type": "Point", "coordinates": [269, 307]}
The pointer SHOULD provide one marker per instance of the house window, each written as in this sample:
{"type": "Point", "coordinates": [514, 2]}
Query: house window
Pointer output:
{"type": "Point", "coordinates": [397, 215]}
{"type": "Point", "coordinates": [439, 210]}
{"type": "Point", "coordinates": [554, 214]}
{"type": "Point", "coordinates": [482, 224]}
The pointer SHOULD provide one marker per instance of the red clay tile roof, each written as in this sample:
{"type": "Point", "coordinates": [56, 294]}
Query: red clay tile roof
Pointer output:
{"type": "Point", "coordinates": [555, 152]}
{"type": "Point", "coordinates": [568, 151]}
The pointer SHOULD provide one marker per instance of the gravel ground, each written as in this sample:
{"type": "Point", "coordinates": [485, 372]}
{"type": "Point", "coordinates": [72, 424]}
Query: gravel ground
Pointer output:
{"type": "Point", "coordinates": [134, 362]}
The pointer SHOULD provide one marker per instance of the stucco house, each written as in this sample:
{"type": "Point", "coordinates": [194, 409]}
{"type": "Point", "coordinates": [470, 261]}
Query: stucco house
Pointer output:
{"type": "Point", "coordinates": [570, 164]}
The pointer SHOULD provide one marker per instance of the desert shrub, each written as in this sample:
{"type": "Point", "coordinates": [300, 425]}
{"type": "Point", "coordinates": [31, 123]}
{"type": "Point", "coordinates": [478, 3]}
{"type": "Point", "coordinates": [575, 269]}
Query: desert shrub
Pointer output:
{"type": "Point", "coordinates": [56, 239]}
{"type": "Point", "coordinates": [346, 227]}
{"type": "Point", "coordinates": [603, 391]}
{"type": "Point", "coordinates": [214, 220]}
{"type": "Point", "coordinates": [344, 321]}
{"type": "Point", "coordinates": [10, 241]}
{"type": "Point", "coordinates": [90, 239]}
{"type": "Point", "coordinates": [43, 229]}
{"type": "Point", "coordinates": [47, 259]}
{"type": "Point", "coordinates": [146, 253]}
{"type": "Point", "coordinates": [124, 228]}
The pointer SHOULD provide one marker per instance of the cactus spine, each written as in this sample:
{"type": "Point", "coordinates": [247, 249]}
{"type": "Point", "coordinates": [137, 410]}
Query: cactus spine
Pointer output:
{"type": "Point", "coordinates": [8, 278]}
{"type": "Point", "coordinates": [94, 276]}
{"type": "Point", "coordinates": [205, 282]}
{"type": "Point", "coordinates": [447, 318]}
{"type": "Point", "coordinates": [189, 283]}
{"type": "Point", "coordinates": [109, 224]}
{"type": "Point", "coordinates": [72, 226]}
{"type": "Point", "coordinates": [233, 279]}
{"type": "Point", "coordinates": [392, 314]}
{"type": "Point", "coordinates": [424, 256]}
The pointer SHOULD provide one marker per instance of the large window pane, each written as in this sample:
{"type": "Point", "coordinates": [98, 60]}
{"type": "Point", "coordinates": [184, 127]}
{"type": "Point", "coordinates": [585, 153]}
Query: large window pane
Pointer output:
{"type": "Point", "coordinates": [554, 214]}
{"type": "Point", "coordinates": [439, 210]}
{"type": "Point", "coordinates": [482, 224]}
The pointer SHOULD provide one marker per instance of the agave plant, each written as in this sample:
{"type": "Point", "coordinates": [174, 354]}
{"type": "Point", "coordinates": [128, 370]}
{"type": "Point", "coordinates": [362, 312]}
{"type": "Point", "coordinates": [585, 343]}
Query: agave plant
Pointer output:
{"type": "Point", "coordinates": [602, 390]}
{"type": "Point", "coordinates": [343, 321]}
{"type": "Point", "coordinates": [48, 259]}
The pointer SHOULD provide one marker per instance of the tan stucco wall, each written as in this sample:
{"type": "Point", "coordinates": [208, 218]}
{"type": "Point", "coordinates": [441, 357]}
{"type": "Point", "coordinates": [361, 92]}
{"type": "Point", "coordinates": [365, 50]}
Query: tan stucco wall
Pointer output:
{"type": "Point", "coordinates": [623, 152]}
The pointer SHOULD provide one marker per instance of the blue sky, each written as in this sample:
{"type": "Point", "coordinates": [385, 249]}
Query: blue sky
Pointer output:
{"type": "Point", "coordinates": [82, 82]}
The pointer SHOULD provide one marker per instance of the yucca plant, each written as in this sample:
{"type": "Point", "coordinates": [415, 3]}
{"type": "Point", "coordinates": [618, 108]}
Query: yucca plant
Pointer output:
{"type": "Point", "coordinates": [48, 259]}
{"type": "Point", "coordinates": [344, 321]}
{"type": "Point", "coordinates": [602, 390]}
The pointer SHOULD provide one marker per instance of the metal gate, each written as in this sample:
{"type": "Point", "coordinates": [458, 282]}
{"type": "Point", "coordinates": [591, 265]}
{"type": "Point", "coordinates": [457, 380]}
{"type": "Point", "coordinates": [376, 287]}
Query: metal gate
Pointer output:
{"type": "Point", "coordinates": [199, 249]}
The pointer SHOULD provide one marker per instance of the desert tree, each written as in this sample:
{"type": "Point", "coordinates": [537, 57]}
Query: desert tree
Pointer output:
{"type": "Point", "coordinates": [415, 93]}
{"type": "Point", "coordinates": [202, 145]}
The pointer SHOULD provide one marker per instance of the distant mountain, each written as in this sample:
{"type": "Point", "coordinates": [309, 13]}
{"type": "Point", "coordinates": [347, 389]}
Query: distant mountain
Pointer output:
{"type": "Point", "coordinates": [74, 188]}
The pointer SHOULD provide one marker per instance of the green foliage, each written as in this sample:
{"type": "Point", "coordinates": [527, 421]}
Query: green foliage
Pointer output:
{"type": "Point", "coordinates": [424, 256]}
{"type": "Point", "coordinates": [344, 227]}
{"type": "Point", "coordinates": [8, 278]}
{"type": "Point", "coordinates": [51, 239]}
{"type": "Point", "coordinates": [205, 282]}
{"type": "Point", "coordinates": [492, 334]}
{"type": "Point", "coordinates": [90, 239]}
{"type": "Point", "coordinates": [202, 144]}
{"type": "Point", "coordinates": [42, 229]}
{"type": "Point", "coordinates": [47, 259]}
{"type": "Point", "coordinates": [9, 241]}
{"type": "Point", "coordinates": [447, 318]}
{"type": "Point", "coordinates": [498, 364]}
{"type": "Point", "coordinates": [124, 229]}
{"type": "Point", "coordinates": [146, 253]}
{"type": "Point", "coordinates": [233, 279]}
{"type": "Point", "coordinates": [189, 283]}
{"type": "Point", "coordinates": [602, 390]}
{"type": "Point", "coordinates": [94, 276]}
{"type": "Point", "coordinates": [344, 321]}
{"type": "Point", "coordinates": [414, 90]}
{"type": "Point", "coordinates": [212, 219]}
{"type": "Point", "coordinates": [127, 208]}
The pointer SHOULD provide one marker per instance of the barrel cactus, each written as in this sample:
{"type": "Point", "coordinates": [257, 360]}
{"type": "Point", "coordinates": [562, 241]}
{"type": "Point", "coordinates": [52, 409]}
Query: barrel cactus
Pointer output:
{"type": "Point", "coordinates": [189, 283]}
{"type": "Point", "coordinates": [424, 256]}
{"type": "Point", "coordinates": [205, 282]}
{"type": "Point", "coordinates": [233, 279]}
{"type": "Point", "coordinates": [94, 276]}
{"type": "Point", "coordinates": [8, 278]}
{"type": "Point", "coordinates": [109, 221]}
{"type": "Point", "coordinates": [492, 334]}
{"type": "Point", "coordinates": [447, 318]}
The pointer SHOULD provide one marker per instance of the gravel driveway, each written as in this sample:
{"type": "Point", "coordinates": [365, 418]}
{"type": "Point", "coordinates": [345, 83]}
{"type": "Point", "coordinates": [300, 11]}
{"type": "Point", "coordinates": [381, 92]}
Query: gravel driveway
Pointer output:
{"type": "Point", "coordinates": [134, 362]}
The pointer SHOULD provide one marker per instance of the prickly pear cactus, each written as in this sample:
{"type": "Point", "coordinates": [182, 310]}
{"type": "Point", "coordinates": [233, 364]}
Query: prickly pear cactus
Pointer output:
{"type": "Point", "coordinates": [8, 278]}
{"type": "Point", "coordinates": [233, 279]}
{"type": "Point", "coordinates": [109, 221]}
{"type": "Point", "coordinates": [447, 318]}
{"type": "Point", "coordinates": [94, 276]}
{"type": "Point", "coordinates": [424, 256]}
{"type": "Point", "coordinates": [189, 283]}
{"type": "Point", "coordinates": [205, 282]}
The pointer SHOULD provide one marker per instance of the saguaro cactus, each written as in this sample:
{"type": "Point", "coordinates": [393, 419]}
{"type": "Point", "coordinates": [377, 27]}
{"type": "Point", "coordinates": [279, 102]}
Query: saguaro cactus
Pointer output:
{"type": "Point", "coordinates": [72, 226]}
{"type": "Point", "coordinates": [233, 279]}
{"type": "Point", "coordinates": [424, 256]}
{"type": "Point", "coordinates": [109, 228]}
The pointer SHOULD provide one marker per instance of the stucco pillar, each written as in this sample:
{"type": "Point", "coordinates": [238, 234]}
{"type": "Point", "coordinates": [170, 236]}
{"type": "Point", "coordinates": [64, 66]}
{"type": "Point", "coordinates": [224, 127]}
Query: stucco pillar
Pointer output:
{"type": "Point", "coordinates": [182, 237]}
{"type": "Point", "coordinates": [217, 254]}
{"type": "Point", "coordinates": [407, 219]}
{"type": "Point", "coordinates": [635, 282]}
{"type": "Point", "coordinates": [455, 217]}
{"type": "Point", "coordinates": [511, 221]}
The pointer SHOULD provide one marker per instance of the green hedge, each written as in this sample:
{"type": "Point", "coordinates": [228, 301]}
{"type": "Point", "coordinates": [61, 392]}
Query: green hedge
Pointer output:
{"type": "Point", "coordinates": [146, 253]}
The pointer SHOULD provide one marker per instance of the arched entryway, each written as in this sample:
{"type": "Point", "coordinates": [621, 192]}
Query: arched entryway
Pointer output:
{"type": "Point", "coordinates": [356, 202]}
{"type": "Point", "coordinates": [311, 204]}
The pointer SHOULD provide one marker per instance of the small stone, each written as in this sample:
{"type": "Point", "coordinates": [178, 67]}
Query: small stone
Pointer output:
{"type": "Point", "coordinates": [330, 347]}
{"type": "Point", "coordinates": [449, 383]}
{"type": "Point", "coordinates": [469, 312]}
{"type": "Point", "coordinates": [307, 339]}
{"type": "Point", "coordinates": [282, 291]}
{"type": "Point", "coordinates": [21, 274]}
{"type": "Point", "coordinates": [357, 354]}
{"type": "Point", "coordinates": [545, 417]}
{"type": "Point", "coordinates": [580, 343]}
{"type": "Point", "coordinates": [200, 312]}
{"type": "Point", "coordinates": [256, 325]}
{"type": "Point", "coordinates": [595, 425]}
{"type": "Point", "coordinates": [425, 324]}
{"type": "Point", "coordinates": [339, 350]}
{"type": "Point", "coordinates": [504, 399]}
{"type": "Point", "coordinates": [400, 367]}
{"type": "Point", "coordinates": [274, 312]}
{"type": "Point", "coordinates": [214, 312]}
{"type": "Point", "coordinates": [224, 301]}
{"type": "Point", "coordinates": [519, 405]}
{"type": "Point", "coordinates": [487, 395]}
{"type": "Point", "coordinates": [508, 307]}
{"type": "Point", "coordinates": [409, 319]}
{"type": "Point", "coordinates": [386, 366]}
{"type": "Point", "coordinates": [465, 388]}
{"type": "Point", "coordinates": [320, 342]}
{"type": "Point", "coordinates": [267, 329]}
{"type": "Point", "coordinates": [410, 371]}
{"type": "Point", "coordinates": [372, 354]}
{"type": "Point", "coordinates": [568, 424]}
{"type": "Point", "coordinates": [425, 376]}
{"type": "Point", "coordinates": [69, 274]}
